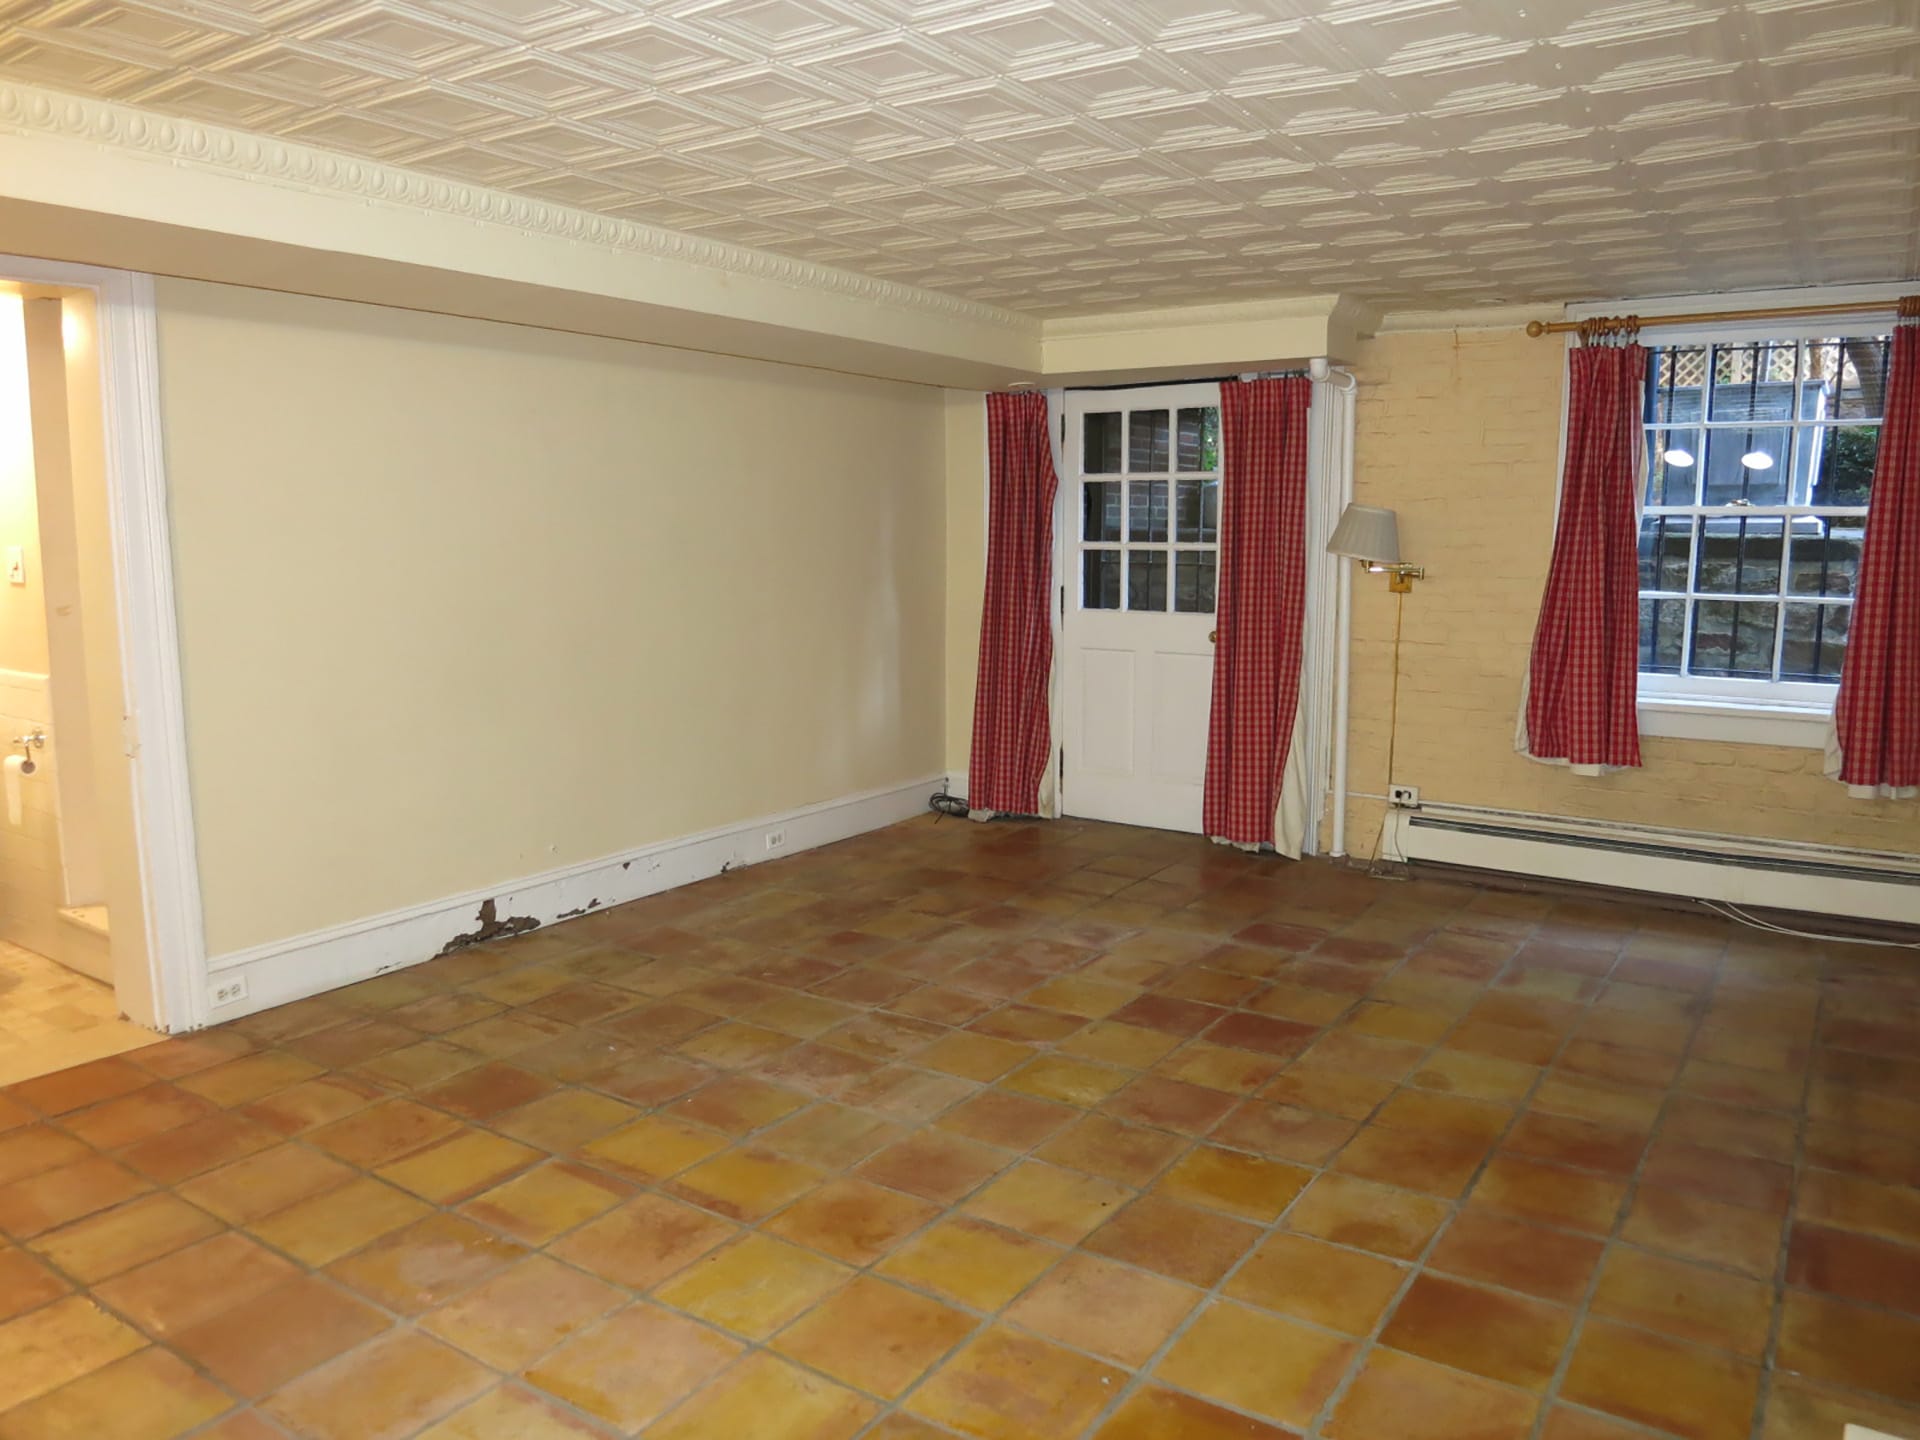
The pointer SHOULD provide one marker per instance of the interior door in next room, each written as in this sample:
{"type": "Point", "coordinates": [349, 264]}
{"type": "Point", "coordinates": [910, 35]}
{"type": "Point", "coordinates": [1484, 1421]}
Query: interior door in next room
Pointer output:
{"type": "Point", "coordinates": [1143, 527]}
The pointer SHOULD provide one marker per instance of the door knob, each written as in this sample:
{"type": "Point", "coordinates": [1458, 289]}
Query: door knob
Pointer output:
{"type": "Point", "coordinates": [1213, 637]}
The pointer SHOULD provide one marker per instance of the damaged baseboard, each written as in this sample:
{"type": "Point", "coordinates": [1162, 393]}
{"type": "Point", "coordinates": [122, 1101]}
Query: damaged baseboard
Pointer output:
{"type": "Point", "coordinates": [283, 971]}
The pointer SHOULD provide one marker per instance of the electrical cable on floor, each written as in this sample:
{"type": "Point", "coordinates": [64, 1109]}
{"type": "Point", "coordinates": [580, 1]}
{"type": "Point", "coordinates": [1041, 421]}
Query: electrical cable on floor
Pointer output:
{"type": "Point", "coordinates": [1733, 912]}
{"type": "Point", "coordinates": [941, 803]}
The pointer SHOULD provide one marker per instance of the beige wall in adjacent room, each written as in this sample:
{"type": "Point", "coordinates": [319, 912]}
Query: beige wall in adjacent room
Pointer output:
{"type": "Point", "coordinates": [1459, 432]}
{"type": "Point", "coordinates": [462, 602]}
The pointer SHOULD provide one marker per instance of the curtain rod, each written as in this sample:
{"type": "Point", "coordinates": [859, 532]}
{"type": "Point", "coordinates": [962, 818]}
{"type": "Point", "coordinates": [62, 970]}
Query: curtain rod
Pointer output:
{"type": "Point", "coordinates": [1537, 328]}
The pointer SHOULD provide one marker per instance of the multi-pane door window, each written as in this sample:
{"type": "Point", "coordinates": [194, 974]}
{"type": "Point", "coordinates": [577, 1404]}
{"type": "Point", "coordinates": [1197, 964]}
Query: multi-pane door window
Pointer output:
{"type": "Point", "coordinates": [1759, 463]}
{"type": "Point", "coordinates": [1150, 508]}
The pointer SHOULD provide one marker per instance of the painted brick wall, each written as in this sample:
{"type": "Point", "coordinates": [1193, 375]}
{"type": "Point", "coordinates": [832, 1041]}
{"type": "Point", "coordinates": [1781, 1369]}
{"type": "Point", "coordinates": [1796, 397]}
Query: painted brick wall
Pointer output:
{"type": "Point", "coordinates": [1459, 432]}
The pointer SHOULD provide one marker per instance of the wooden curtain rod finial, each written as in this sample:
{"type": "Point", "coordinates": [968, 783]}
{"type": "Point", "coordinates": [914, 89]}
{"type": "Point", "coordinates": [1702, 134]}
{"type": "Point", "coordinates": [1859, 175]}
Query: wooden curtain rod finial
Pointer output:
{"type": "Point", "coordinates": [1536, 328]}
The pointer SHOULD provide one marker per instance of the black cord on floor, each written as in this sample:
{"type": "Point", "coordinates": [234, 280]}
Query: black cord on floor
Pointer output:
{"type": "Point", "coordinates": [944, 804]}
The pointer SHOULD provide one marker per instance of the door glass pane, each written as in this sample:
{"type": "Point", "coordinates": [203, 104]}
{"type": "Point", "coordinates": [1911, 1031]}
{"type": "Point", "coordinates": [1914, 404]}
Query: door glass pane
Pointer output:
{"type": "Point", "coordinates": [1745, 464]}
{"type": "Point", "coordinates": [1734, 638]}
{"type": "Point", "coordinates": [1147, 510]}
{"type": "Point", "coordinates": [1101, 444]}
{"type": "Point", "coordinates": [1147, 440]}
{"type": "Point", "coordinates": [1673, 466]}
{"type": "Point", "coordinates": [1100, 510]}
{"type": "Point", "coordinates": [1739, 557]}
{"type": "Point", "coordinates": [1815, 642]}
{"type": "Point", "coordinates": [1196, 518]}
{"type": "Point", "coordinates": [1840, 460]}
{"type": "Point", "coordinates": [1100, 580]}
{"type": "Point", "coordinates": [1193, 581]}
{"type": "Point", "coordinates": [1663, 625]}
{"type": "Point", "coordinates": [1826, 555]}
{"type": "Point", "coordinates": [1665, 546]}
{"type": "Point", "coordinates": [1146, 580]}
{"type": "Point", "coordinates": [1199, 439]}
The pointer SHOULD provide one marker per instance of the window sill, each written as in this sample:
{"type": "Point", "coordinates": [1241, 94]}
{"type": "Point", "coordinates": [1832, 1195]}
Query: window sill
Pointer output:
{"type": "Point", "coordinates": [1676, 717]}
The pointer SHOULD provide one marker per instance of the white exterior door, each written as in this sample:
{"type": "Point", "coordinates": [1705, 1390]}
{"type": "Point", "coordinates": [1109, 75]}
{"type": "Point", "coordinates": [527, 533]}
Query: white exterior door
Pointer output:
{"type": "Point", "coordinates": [1141, 540]}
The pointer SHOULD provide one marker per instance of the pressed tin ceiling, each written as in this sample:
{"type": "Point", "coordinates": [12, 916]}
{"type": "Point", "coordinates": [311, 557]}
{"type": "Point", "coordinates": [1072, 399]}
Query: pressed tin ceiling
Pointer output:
{"type": "Point", "coordinates": [1071, 156]}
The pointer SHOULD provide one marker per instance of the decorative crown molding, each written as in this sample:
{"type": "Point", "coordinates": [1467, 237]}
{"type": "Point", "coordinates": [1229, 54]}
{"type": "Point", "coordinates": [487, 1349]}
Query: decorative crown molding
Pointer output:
{"type": "Point", "coordinates": [31, 110]}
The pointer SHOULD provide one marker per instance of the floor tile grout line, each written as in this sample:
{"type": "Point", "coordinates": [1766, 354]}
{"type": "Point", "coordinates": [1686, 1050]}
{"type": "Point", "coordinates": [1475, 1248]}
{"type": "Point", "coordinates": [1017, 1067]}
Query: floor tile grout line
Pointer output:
{"type": "Point", "coordinates": [361, 1017]}
{"type": "Point", "coordinates": [1776, 1320]}
{"type": "Point", "coordinates": [1419, 1267]}
{"type": "Point", "coordinates": [1217, 1292]}
{"type": "Point", "coordinates": [1584, 1309]}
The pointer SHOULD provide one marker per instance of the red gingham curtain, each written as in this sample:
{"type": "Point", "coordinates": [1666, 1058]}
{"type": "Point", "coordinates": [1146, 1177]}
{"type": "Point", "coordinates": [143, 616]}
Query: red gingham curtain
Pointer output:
{"type": "Point", "coordinates": [1876, 715]}
{"type": "Point", "coordinates": [1262, 594]}
{"type": "Point", "coordinates": [1583, 677]}
{"type": "Point", "coordinates": [1011, 738]}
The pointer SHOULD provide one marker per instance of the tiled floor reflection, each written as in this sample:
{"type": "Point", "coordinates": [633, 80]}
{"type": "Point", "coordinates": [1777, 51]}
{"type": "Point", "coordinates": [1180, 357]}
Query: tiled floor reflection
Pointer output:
{"type": "Point", "coordinates": [1018, 1132]}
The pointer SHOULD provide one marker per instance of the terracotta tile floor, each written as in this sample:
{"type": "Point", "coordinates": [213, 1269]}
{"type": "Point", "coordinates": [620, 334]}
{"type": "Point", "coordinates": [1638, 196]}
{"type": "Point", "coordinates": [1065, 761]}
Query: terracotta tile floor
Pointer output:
{"type": "Point", "coordinates": [1017, 1132]}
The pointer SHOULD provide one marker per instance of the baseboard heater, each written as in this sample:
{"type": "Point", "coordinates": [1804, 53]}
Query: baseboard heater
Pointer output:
{"type": "Point", "coordinates": [1737, 870]}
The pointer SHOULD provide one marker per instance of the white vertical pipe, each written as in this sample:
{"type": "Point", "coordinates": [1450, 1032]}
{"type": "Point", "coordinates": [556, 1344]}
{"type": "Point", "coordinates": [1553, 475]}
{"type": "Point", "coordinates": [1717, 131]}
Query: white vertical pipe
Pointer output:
{"type": "Point", "coordinates": [1343, 637]}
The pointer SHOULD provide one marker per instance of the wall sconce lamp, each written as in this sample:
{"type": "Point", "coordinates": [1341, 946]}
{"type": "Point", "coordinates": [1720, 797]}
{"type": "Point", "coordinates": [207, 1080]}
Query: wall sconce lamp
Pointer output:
{"type": "Point", "coordinates": [1371, 535]}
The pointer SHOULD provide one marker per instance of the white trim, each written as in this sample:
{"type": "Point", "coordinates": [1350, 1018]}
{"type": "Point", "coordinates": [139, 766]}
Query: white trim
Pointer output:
{"type": "Point", "coordinates": [156, 739]}
{"type": "Point", "coordinates": [1329, 481]}
{"type": "Point", "coordinates": [1682, 717]}
{"type": "Point", "coordinates": [282, 971]}
{"type": "Point", "coordinates": [1781, 874]}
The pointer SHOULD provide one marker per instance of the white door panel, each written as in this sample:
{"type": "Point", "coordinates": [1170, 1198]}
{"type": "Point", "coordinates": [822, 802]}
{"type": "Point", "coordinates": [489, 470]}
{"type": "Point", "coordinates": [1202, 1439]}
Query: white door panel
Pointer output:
{"type": "Point", "coordinates": [1140, 536]}
{"type": "Point", "coordinates": [1182, 701]}
{"type": "Point", "coordinates": [1107, 694]}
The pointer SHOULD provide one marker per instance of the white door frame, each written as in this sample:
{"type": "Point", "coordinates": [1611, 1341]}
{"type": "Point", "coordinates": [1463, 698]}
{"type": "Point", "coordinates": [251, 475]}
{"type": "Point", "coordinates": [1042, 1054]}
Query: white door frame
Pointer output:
{"type": "Point", "coordinates": [1329, 460]}
{"type": "Point", "coordinates": [155, 722]}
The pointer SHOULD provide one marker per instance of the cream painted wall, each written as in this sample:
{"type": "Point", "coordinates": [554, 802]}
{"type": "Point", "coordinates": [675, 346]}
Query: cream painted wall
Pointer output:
{"type": "Point", "coordinates": [1459, 432]}
{"type": "Point", "coordinates": [23, 621]}
{"type": "Point", "coordinates": [461, 602]}
{"type": "Point", "coordinates": [966, 542]}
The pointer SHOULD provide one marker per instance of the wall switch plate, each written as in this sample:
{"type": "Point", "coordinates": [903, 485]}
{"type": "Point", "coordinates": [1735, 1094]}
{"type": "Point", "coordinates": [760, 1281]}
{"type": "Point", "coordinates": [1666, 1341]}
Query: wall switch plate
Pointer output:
{"type": "Point", "coordinates": [229, 992]}
{"type": "Point", "coordinates": [1404, 797]}
{"type": "Point", "coordinates": [776, 839]}
{"type": "Point", "coordinates": [16, 565]}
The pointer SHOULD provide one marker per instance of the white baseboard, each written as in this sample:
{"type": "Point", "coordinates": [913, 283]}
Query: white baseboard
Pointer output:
{"type": "Point", "coordinates": [282, 971]}
{"type": "Point", "coordinates": [957, 783]}
{"type": "Point", "coordinates": [1736, 870]}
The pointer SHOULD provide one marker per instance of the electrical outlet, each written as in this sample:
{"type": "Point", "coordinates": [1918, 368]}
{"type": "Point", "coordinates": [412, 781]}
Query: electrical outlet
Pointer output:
{"type": "Point", "coordinates": [229, 992]}
{"type": "Point", "coordinates": [776, 839]}
{"type": "Point", "coordinates": [1404, 797]}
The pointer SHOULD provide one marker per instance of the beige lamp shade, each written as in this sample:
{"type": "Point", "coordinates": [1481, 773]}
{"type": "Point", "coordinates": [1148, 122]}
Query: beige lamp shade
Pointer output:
{"type": "Point", "coordinates": [1367, 532]}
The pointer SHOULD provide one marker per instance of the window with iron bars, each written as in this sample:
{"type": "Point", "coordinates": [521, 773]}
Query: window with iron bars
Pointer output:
{"type": "Point", "coordinates": [1760, 456]}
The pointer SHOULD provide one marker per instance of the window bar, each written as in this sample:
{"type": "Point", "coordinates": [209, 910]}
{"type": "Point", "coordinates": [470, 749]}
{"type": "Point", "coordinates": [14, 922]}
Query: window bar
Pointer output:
{"type": "Point", "coordinates": [1746, 473]}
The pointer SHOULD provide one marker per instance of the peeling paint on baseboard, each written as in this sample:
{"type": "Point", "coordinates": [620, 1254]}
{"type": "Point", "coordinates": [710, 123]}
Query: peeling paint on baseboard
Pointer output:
{"type": "Point", "coordinates": [579, 910]}
{"type": "Point", "coordinates": [492, 927]}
